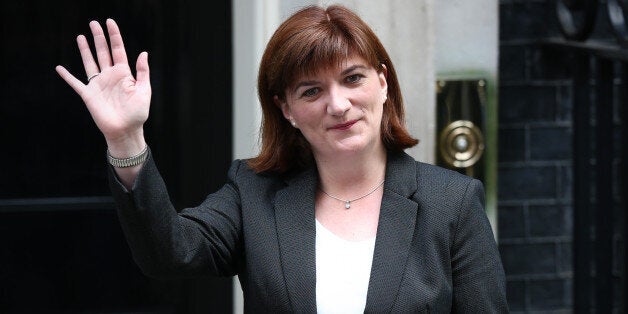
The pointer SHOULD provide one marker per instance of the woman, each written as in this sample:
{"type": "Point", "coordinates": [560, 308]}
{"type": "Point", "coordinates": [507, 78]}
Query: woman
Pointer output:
{"type": "Point", "coordinates": [331, 216]}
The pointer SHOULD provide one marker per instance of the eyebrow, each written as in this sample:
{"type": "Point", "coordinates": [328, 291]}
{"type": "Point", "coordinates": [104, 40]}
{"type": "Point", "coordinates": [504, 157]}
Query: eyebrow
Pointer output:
{"type": "Point", "coordinates": [353, 68]}
{"type": "Point", "coordinates": [344, 72]}
{"type": "Point", "coordinates": [304, 83]}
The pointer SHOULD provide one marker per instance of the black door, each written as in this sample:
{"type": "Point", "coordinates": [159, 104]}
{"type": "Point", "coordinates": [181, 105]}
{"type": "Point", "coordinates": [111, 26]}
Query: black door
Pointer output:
{"type": "Point", "coordinates": [61, 247]}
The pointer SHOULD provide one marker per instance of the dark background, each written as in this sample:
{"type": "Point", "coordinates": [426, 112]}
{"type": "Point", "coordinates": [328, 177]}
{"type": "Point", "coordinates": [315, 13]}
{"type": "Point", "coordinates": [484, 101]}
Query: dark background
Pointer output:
{"type": "Point", "coordinates": [61, 247]}
{"type": "Point", "coordinates": [536, 163]}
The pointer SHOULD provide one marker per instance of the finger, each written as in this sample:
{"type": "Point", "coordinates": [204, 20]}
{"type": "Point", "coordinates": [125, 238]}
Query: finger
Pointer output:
{"type": "Point", "coordinates": [75, 83]}
{"type": "Point", "coordinates": [102, 49]}
{"type": "Point", "coordinates": [117, 46]}
{"type": "Point", "coordinates": [89, 64]}
{"type": "Point", "coordinates": [143, 72]}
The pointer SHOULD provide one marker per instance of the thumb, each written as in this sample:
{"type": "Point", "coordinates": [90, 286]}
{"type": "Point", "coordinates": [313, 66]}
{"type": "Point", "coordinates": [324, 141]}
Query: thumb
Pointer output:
{"type": "Point", "coordinates": [143, 72]}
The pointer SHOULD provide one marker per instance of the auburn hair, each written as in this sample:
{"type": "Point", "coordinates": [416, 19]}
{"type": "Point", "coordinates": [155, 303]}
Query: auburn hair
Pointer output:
{"type": "Point", "coordinates": [311, 39]}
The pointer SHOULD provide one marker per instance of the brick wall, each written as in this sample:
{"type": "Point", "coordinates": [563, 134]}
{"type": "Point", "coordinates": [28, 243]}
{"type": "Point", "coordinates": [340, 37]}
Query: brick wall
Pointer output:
{"type": "Point", "coordinates": [535, 166]}
{"type": "Point", "coordinates": [535, 177]}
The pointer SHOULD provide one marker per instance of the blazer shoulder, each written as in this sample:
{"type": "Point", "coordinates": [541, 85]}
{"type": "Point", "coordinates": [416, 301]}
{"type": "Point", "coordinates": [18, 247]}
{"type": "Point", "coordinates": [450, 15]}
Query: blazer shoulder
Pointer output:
{"type": "Point", "coordinates": [441, 176]}
{"type": "Point", "coordinates": [446, 189]}
{"type": "Point", "coordinates": [406, 176]}
{"type": "Point", "coordinates": [244, 177]}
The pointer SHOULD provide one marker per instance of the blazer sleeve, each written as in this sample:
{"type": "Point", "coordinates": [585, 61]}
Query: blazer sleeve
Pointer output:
{"type": "Point", "coordinates": [205, 240]}
{"type": "Point", "coordinates": [477, 274]}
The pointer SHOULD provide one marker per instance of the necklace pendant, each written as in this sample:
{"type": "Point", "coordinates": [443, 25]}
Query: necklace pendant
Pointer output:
{"type": "Point", "coordinates": [348, 204]}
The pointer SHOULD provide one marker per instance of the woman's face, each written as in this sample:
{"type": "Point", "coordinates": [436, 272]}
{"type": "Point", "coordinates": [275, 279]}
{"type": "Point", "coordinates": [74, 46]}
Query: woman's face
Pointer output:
{"type": "Point", "coordinates": [338, 109]}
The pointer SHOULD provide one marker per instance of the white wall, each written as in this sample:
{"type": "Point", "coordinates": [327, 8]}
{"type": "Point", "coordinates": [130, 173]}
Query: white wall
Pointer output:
{"type": "Point", "coordinates": [253, 23]}
{"type": "Point", "coordinates": [466, 37]}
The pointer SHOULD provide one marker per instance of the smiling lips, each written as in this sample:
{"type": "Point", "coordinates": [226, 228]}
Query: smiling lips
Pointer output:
{"type": "Point", "coordinates": [344, 126]}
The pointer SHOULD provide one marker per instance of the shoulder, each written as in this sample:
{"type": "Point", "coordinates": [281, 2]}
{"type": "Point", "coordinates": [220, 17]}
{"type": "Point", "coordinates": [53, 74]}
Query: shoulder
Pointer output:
{"type": "Point", "coordinates": [440, 181]}
{"type": "Point", "coordinates": [245, 178]}
{"type": "Point", "coordinates": [406, 171]}
{"type": "Point", "coordinates": [450, 202]}
{"type": "Point", "coordinates": [437, 190]}
{"type": "Point", "coordinates": [440, 177]}
{"type": "Point", "coordinates": [430, 186]}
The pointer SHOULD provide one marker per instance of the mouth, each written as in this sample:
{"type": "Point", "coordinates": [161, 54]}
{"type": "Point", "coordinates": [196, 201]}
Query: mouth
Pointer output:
{"type": "Point", "coordinates": [344, 126]}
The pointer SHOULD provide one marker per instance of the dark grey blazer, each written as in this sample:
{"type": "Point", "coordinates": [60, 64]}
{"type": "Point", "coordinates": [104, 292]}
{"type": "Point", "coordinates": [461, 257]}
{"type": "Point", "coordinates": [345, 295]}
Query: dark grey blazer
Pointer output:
{"type": "Point", "coordinates": [434, 250]}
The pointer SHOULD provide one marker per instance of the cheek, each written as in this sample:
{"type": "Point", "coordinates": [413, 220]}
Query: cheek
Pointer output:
{"type": "Point", "coordinates": [376, 104]}
{"type": "Point", "coordinates": [308, 114]}
{"type": "Point", "coordinates": [378, 113]}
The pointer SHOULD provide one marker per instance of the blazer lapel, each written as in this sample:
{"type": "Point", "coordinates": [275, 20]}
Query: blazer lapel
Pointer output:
{"type": "Point", "coordinates": [296, 231]}
{"type": "Point", "coordinates": [397, 223]}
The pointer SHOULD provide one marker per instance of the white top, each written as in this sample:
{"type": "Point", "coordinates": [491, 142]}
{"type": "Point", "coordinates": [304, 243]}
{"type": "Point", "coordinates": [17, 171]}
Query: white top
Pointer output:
{"type": "Point", "coordinates": [343, 269]}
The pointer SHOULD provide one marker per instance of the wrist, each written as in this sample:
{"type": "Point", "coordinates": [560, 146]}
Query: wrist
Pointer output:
{"type": "Point", "coordinates": [127, 145]}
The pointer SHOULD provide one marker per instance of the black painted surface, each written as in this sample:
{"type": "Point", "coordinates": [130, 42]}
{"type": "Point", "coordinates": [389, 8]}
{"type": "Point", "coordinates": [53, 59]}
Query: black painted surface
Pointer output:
{"type": "Point", "coordinates": [72, 260]}
{"type": "Point", "coordinates": [582, 208]}
{"type": "Point", "coordinates": [59, 253]}
{"type": "Point", "coordinates": [522, 183]}
{"type": "Point", "coordinates": [604, 215]}
{"type": "Point", "coordinates": [526, 103]}
{"type": "Point", "coordinates": [510, 144]}
{"type": "Point", "coordinates": [546, 180]}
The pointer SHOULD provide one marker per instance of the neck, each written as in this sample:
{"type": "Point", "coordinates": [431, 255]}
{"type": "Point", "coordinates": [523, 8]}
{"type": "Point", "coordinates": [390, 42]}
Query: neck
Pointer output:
{"type": "Point", "coordinates": [352, 175]}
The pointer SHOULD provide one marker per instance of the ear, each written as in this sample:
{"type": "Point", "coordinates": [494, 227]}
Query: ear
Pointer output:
{"type": "Point", "coordinates": [283, 106]}
{"type": "Point", "coordinates": [384, 70]}
{"type": "Point", "coordinates": [383, 75]}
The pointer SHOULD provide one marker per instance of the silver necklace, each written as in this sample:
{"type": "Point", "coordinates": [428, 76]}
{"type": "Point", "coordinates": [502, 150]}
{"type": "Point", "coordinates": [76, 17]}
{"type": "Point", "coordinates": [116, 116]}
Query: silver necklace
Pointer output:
{"type": "Point", "coordinates": [348, 202]}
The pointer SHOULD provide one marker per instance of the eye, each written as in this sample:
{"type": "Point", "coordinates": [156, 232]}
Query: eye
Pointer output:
{"type": "Point", "coordinates": [310, 92]}
{"type": "Point", "coordinates": [354, 78]}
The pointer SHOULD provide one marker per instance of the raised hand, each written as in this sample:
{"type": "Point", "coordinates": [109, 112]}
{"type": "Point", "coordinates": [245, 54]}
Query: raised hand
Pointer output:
{"type": "Point", "coordinates": [118, 102]}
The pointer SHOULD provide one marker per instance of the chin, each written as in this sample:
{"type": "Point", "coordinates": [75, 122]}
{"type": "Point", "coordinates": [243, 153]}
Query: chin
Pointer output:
{"type": "Point", "coordinates": [352, 146]}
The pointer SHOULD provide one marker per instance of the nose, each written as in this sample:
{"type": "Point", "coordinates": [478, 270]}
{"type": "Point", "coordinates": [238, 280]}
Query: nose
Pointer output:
{"type": "Point", "coordinates": [338, 103]}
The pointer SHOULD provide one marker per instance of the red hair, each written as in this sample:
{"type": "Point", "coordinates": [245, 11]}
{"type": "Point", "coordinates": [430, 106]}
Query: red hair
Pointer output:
{"type": "Point", "coordinates": [311, 39]}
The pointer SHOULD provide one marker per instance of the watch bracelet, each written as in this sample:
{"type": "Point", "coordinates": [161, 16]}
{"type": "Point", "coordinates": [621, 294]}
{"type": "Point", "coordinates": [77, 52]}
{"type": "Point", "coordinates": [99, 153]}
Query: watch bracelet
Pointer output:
{"type": "Point", "coordinates": [129, 161]}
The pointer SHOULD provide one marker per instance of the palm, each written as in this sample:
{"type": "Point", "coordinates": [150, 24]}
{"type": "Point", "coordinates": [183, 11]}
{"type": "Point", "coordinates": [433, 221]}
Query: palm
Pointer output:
{"type": "Point", "coordinates": [118, 102]}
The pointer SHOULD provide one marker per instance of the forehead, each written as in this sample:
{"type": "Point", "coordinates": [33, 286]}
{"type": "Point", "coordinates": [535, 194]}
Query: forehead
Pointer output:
{"type": "Point", "coordinates": [332, 69]}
